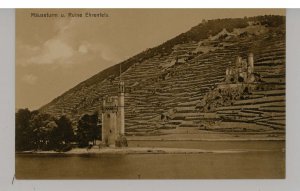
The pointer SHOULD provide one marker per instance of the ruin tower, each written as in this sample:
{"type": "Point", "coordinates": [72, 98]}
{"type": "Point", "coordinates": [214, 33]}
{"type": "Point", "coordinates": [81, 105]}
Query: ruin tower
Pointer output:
{"type": "Point", "coordinates": [238, 62]}
{"type": "Point", "coordinates": [250, 63]}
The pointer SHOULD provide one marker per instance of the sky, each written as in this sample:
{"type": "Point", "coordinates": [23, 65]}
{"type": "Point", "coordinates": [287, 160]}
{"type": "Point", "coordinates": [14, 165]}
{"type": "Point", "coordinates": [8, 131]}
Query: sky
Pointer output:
{"type": "Point", "coordinates": [54, 54]}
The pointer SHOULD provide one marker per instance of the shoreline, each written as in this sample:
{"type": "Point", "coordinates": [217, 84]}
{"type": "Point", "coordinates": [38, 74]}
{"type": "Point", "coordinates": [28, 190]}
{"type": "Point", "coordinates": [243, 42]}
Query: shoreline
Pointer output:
{"type": "Point", "coordinates": [160, 150]}
{"type": "Point", "coordinates": [141, 150]}
{"type": "Point", "coordinates": [146, 150]}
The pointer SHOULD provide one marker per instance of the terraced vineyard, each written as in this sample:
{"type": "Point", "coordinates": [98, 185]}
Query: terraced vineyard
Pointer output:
{"type": "Point", "coordinates": [163, 89]}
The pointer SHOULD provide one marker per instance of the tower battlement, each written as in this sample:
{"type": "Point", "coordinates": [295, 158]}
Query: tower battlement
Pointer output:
{"type": "Point", "coordinates": [110, 104]}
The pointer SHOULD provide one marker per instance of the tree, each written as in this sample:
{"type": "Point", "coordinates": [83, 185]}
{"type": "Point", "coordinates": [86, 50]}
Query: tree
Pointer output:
{"type": "Point", "coordinates": [23, 132]}
{"type": "Point", "coordinates": [61, 134]}
{"type": "Point", "coordinates": [41, 131]}
{"type": "Point", "coordinates": [95, 134]}
{"type": "Point", "coordinates": [88, 130]}
{"type": "Point", "coordinates": [65, 129]}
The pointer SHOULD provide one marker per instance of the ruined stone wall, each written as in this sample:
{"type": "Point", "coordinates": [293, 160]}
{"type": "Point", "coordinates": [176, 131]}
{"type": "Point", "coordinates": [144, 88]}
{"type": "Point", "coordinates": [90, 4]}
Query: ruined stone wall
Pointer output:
{"type": "Point", "coordinates": [242, 72]}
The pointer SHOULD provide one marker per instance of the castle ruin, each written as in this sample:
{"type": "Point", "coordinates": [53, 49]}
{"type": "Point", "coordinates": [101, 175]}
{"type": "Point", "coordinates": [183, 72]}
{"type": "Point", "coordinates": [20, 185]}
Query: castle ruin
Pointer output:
{"type": "Point", "coordinates": [243, 72]}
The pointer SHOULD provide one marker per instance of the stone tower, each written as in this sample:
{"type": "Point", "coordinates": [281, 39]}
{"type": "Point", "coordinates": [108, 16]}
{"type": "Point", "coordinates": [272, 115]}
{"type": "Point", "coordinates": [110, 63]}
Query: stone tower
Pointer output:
{"type": "Point", "coordinates": [113, 118]}
{"type": "Point", "coordinates": [121, 113]}
{"type": "Point", "coordinates": [238, 62]}
{"type": "Point", "coordinates": [250, 63]}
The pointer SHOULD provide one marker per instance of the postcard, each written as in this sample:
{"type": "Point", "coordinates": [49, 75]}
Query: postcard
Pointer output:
{"type": "Point", "coordinates": [150, 94]}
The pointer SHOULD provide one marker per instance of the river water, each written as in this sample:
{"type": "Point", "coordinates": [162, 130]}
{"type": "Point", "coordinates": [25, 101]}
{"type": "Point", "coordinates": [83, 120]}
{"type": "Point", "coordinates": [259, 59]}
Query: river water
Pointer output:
{"type": "Point", "coordinates": [266, 160]}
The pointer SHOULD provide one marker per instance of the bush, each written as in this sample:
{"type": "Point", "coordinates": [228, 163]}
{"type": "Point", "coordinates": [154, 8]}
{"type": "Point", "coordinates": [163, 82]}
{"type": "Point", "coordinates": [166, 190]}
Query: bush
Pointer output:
{"type": "Point", "coordinates": [64, 148]}
{"type": "Point", "coordinates": [121, 141]}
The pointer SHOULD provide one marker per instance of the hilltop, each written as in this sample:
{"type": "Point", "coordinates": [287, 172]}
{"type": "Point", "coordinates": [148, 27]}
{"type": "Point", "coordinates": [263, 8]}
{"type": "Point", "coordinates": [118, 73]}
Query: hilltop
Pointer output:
{"type": "Point", "coordinates": [166, 85]}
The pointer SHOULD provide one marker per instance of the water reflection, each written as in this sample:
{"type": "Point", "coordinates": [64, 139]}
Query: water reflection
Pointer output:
{"type": "Point", "coordinates": [269, 164]}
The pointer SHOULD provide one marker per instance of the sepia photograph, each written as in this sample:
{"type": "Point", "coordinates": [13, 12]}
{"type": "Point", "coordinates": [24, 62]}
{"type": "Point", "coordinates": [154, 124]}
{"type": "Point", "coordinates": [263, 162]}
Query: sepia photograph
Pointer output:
{"type": "Point", "coordinates": [150, 94]}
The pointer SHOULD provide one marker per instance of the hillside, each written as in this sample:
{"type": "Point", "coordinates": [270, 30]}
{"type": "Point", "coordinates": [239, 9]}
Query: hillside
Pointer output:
{"type": "Point", "coordinates": [166, 84]}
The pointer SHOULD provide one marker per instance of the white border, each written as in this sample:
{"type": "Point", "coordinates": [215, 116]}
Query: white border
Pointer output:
{"type": "Point", "coordinates": [149, 3]}
{"type": "Point", "coordinates": [7, 105]}
{"type": "Point", "coordinates": [7, 96]}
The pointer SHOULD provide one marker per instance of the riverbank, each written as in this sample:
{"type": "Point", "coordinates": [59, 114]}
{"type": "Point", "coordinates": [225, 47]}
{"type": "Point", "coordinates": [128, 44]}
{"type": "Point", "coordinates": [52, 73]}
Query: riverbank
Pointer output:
{"type": "Point", "coordinates": [143, 150]}
{"type": "Point", "coordinates": [182, 145]}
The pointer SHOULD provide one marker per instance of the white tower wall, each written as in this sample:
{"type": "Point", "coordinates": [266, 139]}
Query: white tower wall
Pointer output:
{"type": "Point", "coordinates": [109, 121]}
